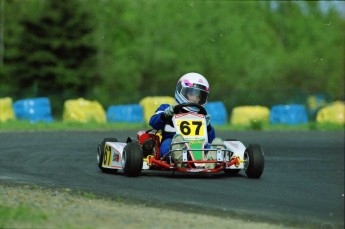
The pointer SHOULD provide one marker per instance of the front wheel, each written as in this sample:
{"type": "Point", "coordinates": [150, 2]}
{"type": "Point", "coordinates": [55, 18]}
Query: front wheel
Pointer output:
{"type": "Point", "coordinates": [101, 155]}
{"type": "Point", "coordinates": [132, 159]}
{"type": "Point", "coordinates": [254, 161]}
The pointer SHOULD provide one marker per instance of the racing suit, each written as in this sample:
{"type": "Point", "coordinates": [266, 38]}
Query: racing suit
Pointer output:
{"type": "Point", "coordinates": [160, 122]}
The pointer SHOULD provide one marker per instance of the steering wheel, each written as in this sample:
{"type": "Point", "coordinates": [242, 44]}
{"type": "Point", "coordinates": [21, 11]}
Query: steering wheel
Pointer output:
{"type": "Point", "coordinates": [178, 108]}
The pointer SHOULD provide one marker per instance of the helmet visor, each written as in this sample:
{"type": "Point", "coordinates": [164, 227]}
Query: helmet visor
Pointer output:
{"type": "Point", "coordinates": [195, 95]}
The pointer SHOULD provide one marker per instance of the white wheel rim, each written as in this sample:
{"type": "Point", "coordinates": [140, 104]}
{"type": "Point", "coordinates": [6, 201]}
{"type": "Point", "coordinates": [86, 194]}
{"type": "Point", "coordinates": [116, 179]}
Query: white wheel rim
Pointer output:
{"type": "Point", "coordinates": [246, 158]}
{"type": "Point", "coordinates": [98, 154]}
{"type": "Point", "coordinates": [123, 160]}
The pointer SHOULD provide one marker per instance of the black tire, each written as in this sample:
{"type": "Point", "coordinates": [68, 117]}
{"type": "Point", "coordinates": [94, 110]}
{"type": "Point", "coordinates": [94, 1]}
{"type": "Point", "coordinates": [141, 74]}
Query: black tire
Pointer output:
{"type": "Point", "coordinates": [255, 162]}
{"type": "Point", "coordinates": [100, 155]}
{"type": "Point", "coordinates": [132, 159]}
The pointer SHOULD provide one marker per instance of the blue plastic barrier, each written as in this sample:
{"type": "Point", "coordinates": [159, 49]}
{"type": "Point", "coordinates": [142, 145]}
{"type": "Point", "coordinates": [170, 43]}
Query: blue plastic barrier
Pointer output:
{"type": "Point", "coordinates": [218, 113]}
{"type": "Point", "coordinates": [33, 109]}
{"type": "Point", "coordinates": [291, 114]}
{"type": "Point", "coordinates": [132, 113]}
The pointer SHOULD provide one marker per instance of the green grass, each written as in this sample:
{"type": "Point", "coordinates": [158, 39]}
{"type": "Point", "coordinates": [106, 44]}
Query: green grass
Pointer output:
{"type": "Point", "coordinates": [21, 214]}
{"type": "Point", "coordinates": [59, 125]}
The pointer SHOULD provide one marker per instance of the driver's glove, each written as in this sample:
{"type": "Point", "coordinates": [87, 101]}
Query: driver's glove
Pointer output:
{"type": "Point", "coordinates": [169, 111]}
{"type": "Point", "coordinates": [208, 119]}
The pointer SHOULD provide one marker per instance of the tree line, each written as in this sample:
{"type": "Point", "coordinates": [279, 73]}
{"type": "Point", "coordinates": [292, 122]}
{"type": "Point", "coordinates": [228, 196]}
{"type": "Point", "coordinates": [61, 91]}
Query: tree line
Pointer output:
{"type": "Point", "coordinates": [117, 52]}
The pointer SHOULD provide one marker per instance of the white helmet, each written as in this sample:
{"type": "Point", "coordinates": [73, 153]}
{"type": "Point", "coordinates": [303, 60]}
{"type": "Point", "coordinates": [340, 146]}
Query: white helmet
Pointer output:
{"type": "Point", "coordinates": [192, 87]}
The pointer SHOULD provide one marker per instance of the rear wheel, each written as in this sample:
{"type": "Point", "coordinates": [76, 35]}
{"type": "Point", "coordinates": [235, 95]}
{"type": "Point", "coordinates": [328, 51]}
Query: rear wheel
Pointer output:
{"type": "Point", "coordinates": [132, 159]}
{"type": "Point", "coordinates": [101, 153]}
{"type": "Point", "coordinates": [254, 161]}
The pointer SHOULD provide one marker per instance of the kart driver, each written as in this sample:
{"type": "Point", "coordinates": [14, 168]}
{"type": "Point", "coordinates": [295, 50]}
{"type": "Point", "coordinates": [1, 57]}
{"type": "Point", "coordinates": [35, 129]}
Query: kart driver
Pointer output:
{"type": "Point", "coordinates": [191, 87]}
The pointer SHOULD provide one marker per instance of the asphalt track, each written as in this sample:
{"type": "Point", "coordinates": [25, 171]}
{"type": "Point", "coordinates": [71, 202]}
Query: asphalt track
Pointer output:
{"type": "Point", "coordinates": [302, 184]}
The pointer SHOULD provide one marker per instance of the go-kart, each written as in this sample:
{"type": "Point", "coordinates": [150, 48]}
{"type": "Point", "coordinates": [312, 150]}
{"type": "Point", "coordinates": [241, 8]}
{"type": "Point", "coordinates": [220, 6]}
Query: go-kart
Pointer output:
{"type": "Point", "coordinates": [142, 152]}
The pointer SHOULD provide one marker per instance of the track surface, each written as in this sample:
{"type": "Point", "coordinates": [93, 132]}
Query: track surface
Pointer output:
{"type": "Point", "coordinates": [302, 184]}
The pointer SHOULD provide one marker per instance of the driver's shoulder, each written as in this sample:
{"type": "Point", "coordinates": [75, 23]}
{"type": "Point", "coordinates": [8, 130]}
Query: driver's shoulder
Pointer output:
{"type": "Point", "coordinates": [163, 106]}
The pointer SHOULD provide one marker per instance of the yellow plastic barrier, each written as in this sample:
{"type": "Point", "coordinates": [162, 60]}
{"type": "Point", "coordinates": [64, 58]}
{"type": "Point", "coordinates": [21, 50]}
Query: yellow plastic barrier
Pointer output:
{"type": "Point", "coordinates": [6, 109]}
{"type": "Point", "coordinates": [150, 104]}
{"type": "Point", "coordinates": [333, 113]}
{"type": "Point", "coordinates": [245, 115]}
{"type": "Point", "coordinates": [81, 110]}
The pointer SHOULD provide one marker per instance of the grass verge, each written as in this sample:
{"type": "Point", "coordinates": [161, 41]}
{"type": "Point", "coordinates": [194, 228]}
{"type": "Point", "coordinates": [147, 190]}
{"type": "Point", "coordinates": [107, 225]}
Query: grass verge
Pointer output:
{"type": "Point", "coordinates": [24, 206]}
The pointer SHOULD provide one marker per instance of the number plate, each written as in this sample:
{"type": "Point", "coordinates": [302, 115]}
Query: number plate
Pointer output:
{"type": "Point", "coordinates": [191, 126]}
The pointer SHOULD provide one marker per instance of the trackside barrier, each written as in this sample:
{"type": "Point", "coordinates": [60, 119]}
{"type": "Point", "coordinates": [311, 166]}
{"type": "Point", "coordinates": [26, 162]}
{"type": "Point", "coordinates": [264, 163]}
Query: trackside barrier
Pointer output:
{"type": "Point", "coordinates": [291, 114]}
{"type": "Point", "coordinates": [218, 112]}
{"type": "Point", "coordinates": [33, 110]}
{"type": "Point", "coordinates": [150, 104]}
{"type": "Point", "coordinates": [314, 103]}
{"type": "Point", "coordinates": [333, 113]}
{"type": "Point", "coordinates": [246, 115]}
{"type": "Point", "coordinates": [81, 110]}
{"type": "Point", "coordinates": [131, 113]}
{"type": "Point", "coordinates": [6, 109]}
